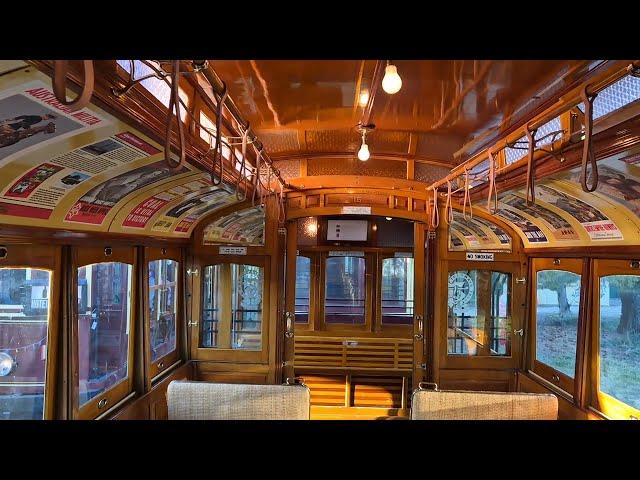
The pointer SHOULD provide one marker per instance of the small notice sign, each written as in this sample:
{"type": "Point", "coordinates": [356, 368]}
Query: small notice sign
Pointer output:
{"type": "Point", "coordinates": [356, 210]}
{"type": "Point", "coordinates": [232, 250]}
{"type": "Point", "coordinates": [480, 257]}
{"type": "Point", "coordinates": [345, 253]}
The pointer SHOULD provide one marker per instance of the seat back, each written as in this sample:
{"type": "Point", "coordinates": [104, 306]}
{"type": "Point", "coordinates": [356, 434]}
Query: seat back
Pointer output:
{"type": "Point", "coordinates": [463, 405]}
{"type": "Point", "coordinates": [188, 400]}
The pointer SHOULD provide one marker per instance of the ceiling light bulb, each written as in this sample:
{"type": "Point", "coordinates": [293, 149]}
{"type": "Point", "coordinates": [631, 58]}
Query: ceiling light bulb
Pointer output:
{"type": "Point", "coordinates": [363, 99]}
{"type": "Point", "coordinates": [388, 218]}
{"type": "Point", "coordinates": [363, 153]}
{"type": "Point", "coordinates": [391, 83]}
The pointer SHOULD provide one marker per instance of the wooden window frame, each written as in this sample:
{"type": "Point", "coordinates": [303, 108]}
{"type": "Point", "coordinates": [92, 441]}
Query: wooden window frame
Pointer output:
{"type": "Point", "coordinates": [517, 318]}
{"type": "Point", "coordinates": [230, 354]}
{"type": "Point", "coordinates": [602, 402]}
{"type": "Point", "coordinates": [161, 364]}
{"type": "Point", "coordinates": [48, 258]}
{"type": "Point", "coordinates": [83, 256]}
{"type": "Point", "coordinates": [369, 302]}
{"type": "Point", "coordinates": [564, 382]}
{"type": "Point", "coordinates": [379, 326]}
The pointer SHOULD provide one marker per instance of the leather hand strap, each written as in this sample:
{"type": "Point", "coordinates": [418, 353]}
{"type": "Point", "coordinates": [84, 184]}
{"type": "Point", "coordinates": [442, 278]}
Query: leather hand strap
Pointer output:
{"type": "Point", "coordinates": [60, 70]}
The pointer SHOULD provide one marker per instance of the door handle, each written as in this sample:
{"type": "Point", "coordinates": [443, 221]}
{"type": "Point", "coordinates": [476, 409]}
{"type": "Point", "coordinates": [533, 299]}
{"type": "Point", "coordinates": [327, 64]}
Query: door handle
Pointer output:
{"type": "Point", "coordinates": [289, 328]}
{"type": "Point", "coordinates": [519, 332]}
{"type": "Point", "coordinates": [419, 336]}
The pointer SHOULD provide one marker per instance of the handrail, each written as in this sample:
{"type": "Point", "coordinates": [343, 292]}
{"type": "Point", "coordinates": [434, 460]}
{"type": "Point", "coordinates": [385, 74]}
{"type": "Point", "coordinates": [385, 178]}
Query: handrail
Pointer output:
{"type": "Point", "coordinates": [569, 101]}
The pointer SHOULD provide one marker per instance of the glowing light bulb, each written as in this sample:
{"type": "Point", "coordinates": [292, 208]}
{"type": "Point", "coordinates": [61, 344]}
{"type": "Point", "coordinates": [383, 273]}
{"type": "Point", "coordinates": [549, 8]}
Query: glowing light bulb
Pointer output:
{"type": "Point", "coordinates": [363, 153]}
{"type": "Point", "coordinates": [391, 83]}
{"type": "Point", "coordinates": [388, 218]}
{"type": "Point", "coordinates": [363, 99]}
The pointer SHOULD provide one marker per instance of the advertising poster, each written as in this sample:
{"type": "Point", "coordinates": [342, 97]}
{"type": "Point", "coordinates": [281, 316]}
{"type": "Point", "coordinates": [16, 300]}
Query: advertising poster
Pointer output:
{"type": "Point", "coordinates": [468, 235]}
{"type": "Point", "coordinates": [94, 206]}
{"type": "Point", "coordinates": [560, 228]}
{"type": "Point", "coordinates": [597, 225]}
{"type": "Point", "coordinates": [142, 213]}
{"type": "Point", "coordinates": [39, 190]}
{"type": "Point", "coordinates": [30, 116]}
{"type": "Point", "coordinates": [503, 236]}
{"type": "Point", "coordinates": [530, 231]}
{"type": "Point", "coordinates": [245, 226]}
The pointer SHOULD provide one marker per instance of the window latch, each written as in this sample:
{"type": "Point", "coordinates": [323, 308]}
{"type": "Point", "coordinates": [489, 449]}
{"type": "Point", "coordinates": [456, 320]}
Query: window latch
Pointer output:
{"type": "Point", "coordinates": [522, 280]}
{"type": "Point", "coordinates": [192, 324]}
{"type": "Point", "coordinates": [519, 332]}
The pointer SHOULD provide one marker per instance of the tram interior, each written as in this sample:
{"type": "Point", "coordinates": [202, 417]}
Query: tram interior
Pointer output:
{"type": "Point", "coordinates": [319, 239]}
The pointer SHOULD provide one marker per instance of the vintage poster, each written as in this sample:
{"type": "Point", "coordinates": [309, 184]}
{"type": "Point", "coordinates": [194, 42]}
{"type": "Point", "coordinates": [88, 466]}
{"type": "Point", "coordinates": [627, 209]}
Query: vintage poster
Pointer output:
{"type": "Point", "coordinates": [94, 206]}
{"type": "Point", "coordinates": [621, 187]}
{"type": "Point", "coordinates": [469, 236]}
{"type": "Point", "coordinates": [142, 213]}
{"type": "Point", "coordinates": [30, 116]}
{"type": "Point", "coordinates": [597, 225]}
{"type": "Point", "coordinates": [245, 226]}
{"type": "Point", "coordinates": [455, 243]}
{"type": "Point", "coordinates": [38, 191]}
{"type": "Point", "coordinates": [531, 232]}
{"type": "Point", "coordinates": [503, 236]}
{"type": "Point", "coordinates": [560, 228]}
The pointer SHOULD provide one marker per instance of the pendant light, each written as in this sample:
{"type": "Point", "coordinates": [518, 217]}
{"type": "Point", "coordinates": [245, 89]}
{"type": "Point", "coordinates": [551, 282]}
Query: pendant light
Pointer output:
{"type": "Point", "coordinates": [391, 83]}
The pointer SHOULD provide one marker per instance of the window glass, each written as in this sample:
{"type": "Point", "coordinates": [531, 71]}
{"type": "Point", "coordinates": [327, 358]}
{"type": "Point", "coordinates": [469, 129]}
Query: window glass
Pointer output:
{"type": "Point", "coordinates": [303, 285]}
{"type": "Point", "coordinates": [232, 307]}
{"type": "Point", "coordinates": [163, 306]}
{"type": "Point", "coordinates": [558, 299]}
{"type": "Point", "coordinates": [620, 338]}
{"type": "Point", "coordinates": [104, 320]}
{"type": "Point", "coordinates": [345, 290]}
{"type": "Point", "coordinates": [209, 138]}
{"type": "Point", "coordinates": [24, 316]}
{"type": "Point", "coordinates": [397, 291]}
{"type": "Point", "coordinates": [479, 306]}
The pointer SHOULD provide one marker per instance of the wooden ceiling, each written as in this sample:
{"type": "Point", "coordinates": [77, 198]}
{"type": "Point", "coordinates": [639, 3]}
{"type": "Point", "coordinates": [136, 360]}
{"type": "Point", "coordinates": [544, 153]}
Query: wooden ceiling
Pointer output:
{"type": "Point", "coordinates": [309, 108]}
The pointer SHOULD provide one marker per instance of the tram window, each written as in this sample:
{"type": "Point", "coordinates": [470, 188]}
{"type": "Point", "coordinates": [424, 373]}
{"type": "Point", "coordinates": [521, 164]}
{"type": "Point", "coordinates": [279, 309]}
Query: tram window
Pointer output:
{"type": "Point", "coordinates": [345, 290]}
{"type": "Point", "coordinates": [232, 307]}
{"type": "Point", "coordinates": [479, 318]}
{"type": "Point", "coordinates": [104, 320]}
{"type": "Point", "coordinates": [557, 302]}
{"type": "Point", "coordinates": [163, 307]}
{"type": "Point", "coordinates": [397, 291]}
{"type": "Point", "coordinates": [205, 121]}
{"type": "Point", "coordinates": [303, 288]}
{"type": "Point", "coordinates": [24, 318]}
{"type": "Point", "coordinates": [619, 354]}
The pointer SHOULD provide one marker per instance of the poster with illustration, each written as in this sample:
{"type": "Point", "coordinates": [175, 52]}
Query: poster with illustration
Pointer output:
{"type": "Point", "coordinates": [94, 206]}
{"type": "Point", "coordinates": [30, 116]}
{"type": "Point", "coordinates": [531, 232]}
{"type": "Point", "coordinates": [29, 181]}
{"type": "Point", "coordinates": [560, 228]}
{"type": "Point", "coordinates": [597, 225]}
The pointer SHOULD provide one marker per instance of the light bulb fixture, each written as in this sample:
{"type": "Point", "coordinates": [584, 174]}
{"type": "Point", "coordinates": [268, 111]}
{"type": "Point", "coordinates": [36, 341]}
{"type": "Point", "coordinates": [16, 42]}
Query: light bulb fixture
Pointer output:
{"type": "Point", "coordinates": [388, 218]}
{"type": "Point", "coordinates": [363, 98]}
{"type": "Point", "coordinates": [391, 83]}
{"type": "Point", "coordinates": [363, 153]}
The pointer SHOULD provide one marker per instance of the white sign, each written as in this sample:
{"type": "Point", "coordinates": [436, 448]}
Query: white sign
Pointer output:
{"type": "Point", "coordinates": [343, 253]}
{"type": "Point", "coordinates": [356, 210]}
{"type": "Point", "coordinates": [480, 257]}
{"type": "Point", "coordinates": [347, 230]}
{"type": "Point", "coordinates": [232, 250]}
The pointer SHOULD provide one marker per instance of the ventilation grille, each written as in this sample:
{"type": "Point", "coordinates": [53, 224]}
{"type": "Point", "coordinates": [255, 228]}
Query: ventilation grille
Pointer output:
{"type": "Point", "coordinates": [353, 166]}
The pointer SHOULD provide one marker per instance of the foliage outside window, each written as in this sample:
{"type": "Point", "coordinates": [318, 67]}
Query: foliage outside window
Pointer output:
{"type": "Point", "coordinates": [24, 318]}
{"type": "Point", "coordinates": [303, 289]}
{"type": "Point", "coordinates": [104, 320]}
{"type": "Point", "coordinates": [163, 307]}
{"type": "Point", "coordinates": [558, 299]}
{"type": "Point", "coordinates": [620, 338]}
{"type": "Point", "coordinates": [397, 291]}
{"type": "Point", "coordinates": [345, 290]}
{"type": "Point", "coordinates": [479, 318]}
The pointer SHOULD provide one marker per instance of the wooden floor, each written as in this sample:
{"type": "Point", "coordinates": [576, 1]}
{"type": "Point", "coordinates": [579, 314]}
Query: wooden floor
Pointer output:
{"type": "Point", "coordinates": [357, 413]}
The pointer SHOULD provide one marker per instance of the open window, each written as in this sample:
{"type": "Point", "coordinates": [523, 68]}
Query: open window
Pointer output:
{"type": "Point", "coordinates": [28, 321]}
{"type": "Point", "coordinates": [396, 281]}
{"type": "Point", "coordinates": [615, 345]}
{"type": "Point", "coordinates": [162, 307]}
{"type": "Point", "coordinates": [103, 328]}
{"type": "Point", "coordinates": [556, 292]}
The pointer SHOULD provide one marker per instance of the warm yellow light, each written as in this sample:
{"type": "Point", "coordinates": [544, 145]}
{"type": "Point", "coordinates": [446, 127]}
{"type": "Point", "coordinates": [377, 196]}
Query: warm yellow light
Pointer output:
{"type": "Point", "coordinates": [391, 83]}
{"type": "Point", "coordinates": [363, 153]}
{"type": "Point", "coordinates": [312, 228]}
{"type": "Point", "coordinates": [364, 98]}
{"type": "Point", "coordinates": [388, 218]}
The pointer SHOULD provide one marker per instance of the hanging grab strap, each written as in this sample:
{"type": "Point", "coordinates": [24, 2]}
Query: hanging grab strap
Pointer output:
{"type": "Point", "coordinates": [60, 69]}
{"type": "Point", "coordinates": [448, 206]}
{"type": "Point", "coordinates": [588, 155]}
{"type": "Point", "coordinates": [467, 197]}
{"type": "Point", "coordinates": [217, 149]}
{"type": "Point", "coordinates": [531, 173]}
{"type": "Point", "coordinates": [493, 189]}
{"type": "Point", "coordinates": [435, 215]}
{"type": "Point", "coordinates": [174, 108]}
{"type": "Point", "coordinates": [256, 178]}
